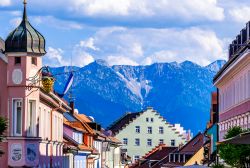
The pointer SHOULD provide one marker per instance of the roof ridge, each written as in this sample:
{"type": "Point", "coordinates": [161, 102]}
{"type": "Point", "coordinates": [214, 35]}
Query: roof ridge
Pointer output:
{"type": "Point", "coordinates": [199, 133]}
{"type": "Point", "coordinates": [84, 124]}
{"type": "Point", "coordinates": [119, 119]}
{"type": "Point", "coordinates": [137, 114]}
{"type": "Point", "coordinates": [165, 121]}
{"type": "Point", "coordinates": [164, 157]}
{"type": "Point", "coordinates": [156, 148]}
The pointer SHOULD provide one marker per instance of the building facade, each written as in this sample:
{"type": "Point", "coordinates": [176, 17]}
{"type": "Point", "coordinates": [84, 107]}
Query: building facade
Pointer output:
{"type": "Point", "coordinates": [233, 83]}
{"type": "Point", "coordinates": [140, 132]}
{"type": "Point", "coordinates": [35, 116]}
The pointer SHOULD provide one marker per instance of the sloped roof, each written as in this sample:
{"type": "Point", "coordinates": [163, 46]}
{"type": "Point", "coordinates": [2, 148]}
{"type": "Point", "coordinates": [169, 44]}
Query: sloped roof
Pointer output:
{"type": "Point", "coordinates": [160, 153]}
{"type": "Point", "coordinates": [84, 118]}
{"type": "Point", "coordinates": [156, 154]}
{"type": "Point", "coordinates": [190, 148]}
{"type": "Point", "coordinates": [193, 145]}
{"type": "Point", "coordinates": [124, 120]}
{"type": "Point", "coordinates": [74, 121]}
{"type": "Point", "coordinates": [90, 130]}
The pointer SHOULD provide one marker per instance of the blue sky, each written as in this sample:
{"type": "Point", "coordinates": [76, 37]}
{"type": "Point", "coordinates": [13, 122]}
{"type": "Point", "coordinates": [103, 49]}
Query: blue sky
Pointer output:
{"type": "Point", "coordinates": [131, 32]}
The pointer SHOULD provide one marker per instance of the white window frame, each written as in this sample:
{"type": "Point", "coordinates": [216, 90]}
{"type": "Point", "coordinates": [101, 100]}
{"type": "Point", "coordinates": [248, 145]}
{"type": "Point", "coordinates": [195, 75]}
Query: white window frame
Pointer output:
{"type": "Point", "coordinates": [139, 143]}
{"type": "Point", "coordinates": [150, 130]}
{"type": "Point", "coordinates": [40, 122]}
{"type": "Point", "coordinates": [125, 140]}
{"type": "Point", "coordinates": [137, 129]}
{"type": "Point", "coordinates": [149, 142]}
{"type": "Point", "coordinates": [161, 130]}
{"type": "Point", "coordinates": [161, 141]}
{"type": "Point", "coordinates": [33, 132]}
{"type": "Point", "coordinates": [172, 140]}
{"type": "Point", "coordinates": [14, 126]}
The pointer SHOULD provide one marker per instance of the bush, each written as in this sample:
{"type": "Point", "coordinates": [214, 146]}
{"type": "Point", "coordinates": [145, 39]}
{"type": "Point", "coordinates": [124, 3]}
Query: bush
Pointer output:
{"type": "Point", "coordinates": [234, 155]}
{"type": "Point", "coordinates": [218, 166]}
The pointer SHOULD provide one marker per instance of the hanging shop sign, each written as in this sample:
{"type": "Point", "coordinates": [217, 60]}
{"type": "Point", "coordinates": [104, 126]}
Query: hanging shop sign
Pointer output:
{"type": "Point", "coordinates": [16, 152]}
{"type": "Point", "coordinates": [31, 151]}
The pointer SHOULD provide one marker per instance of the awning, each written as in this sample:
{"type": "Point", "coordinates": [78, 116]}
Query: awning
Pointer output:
{"type": "Point", "coordinates": [243, 138]}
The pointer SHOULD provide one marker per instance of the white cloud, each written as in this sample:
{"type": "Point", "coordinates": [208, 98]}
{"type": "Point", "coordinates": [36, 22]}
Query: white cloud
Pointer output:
{"type": "Point", "coordinates": [144, 46]}
{"type": "Point", "coordinates": [147, 46]}
{"type": "Point", "coordinates": [81, 58]}
{"type": "Point", "coordinates": [120, 60]}
{"type": "Point", "coordinates": [240, 14]}
{"type": "Point", "coordinates": [89, 43]}
{"type": "Point", "coordinates": [5, 2]}
{"type": "Point", "coordinates": [195, 9]}
{"type": "Point", "coordinates": [183, 10]}
{"type": "Point", "coordinates": [55, 57]}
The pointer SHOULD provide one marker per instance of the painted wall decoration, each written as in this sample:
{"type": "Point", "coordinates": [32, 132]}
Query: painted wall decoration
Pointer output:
{"type": "Point", "coordinates": [31, 151]}
{"type": "Point", "coordinates": [16, 152]}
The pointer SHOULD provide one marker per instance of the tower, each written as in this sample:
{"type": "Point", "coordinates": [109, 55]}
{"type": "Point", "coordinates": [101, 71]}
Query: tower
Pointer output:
{"type": "Point", "coordinates": [24, 48]}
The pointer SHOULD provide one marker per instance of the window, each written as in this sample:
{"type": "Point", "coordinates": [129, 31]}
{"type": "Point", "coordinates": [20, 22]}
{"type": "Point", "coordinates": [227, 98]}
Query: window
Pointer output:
{"type": "Point", "coordinates": [125, 141]}
{"type": "Point", "coordinates": [34, 60]}
{"type": "Point", "coordinates": [149, 142]}
{"type": "Point", "coordinates": [172, 142]}
{"type": "Point", "coordinates": [137, 142]}
{"type": "Point", "coordinates": [17, 117]}
{"type": "Point", "coordinates": [149, 130]}
{"type": "Point", "coordinates": [49, 126]}
{"type": "Point", "coordinates": [161, 141]}
{"type": "Point", "coordinates": [31, 123]}
{"type": "Point", "coordinates": [40, 122]}
{"type": "Point", "coordinates": [137, 129]}
{"type": "Point", "coordinates": [161, 131]}
{"type": "Point", "coordinates": [17, 60]}
{"type": "Point", "coordinates": [136, 158]}
{"type": "Point", "coordinates": [152, 119]}
{"type": "Point", "coordinates": [147, 119]}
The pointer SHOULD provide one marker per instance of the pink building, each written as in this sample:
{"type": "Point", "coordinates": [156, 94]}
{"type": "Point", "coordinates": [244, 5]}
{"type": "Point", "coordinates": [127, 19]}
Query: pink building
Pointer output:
{"type": "Point", "coordinates": [35, 132]}
{"type": "Point", "coordinates": [233, 83]}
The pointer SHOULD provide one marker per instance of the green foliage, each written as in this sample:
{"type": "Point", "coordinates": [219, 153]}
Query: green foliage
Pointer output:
{"type": "Point", "coordinates": [234, 155]}
{"type": "Point", "coordinates": [3, 127]}
{"type": "Point", "coordinates": [232, 132]}
{"type": "Point", "coordinates": [218, 166]}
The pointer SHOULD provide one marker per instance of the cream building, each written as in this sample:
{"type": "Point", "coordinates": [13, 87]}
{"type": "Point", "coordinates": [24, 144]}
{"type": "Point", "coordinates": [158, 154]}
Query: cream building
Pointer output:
{"type": "Point", "coordinates": [142, 131]}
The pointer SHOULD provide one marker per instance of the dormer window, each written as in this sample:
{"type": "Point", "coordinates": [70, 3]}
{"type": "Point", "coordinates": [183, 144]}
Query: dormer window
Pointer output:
{"type": "Point", "coordinates": [17, 60]}
{"type": "Point", "coordinates": [34, 60]}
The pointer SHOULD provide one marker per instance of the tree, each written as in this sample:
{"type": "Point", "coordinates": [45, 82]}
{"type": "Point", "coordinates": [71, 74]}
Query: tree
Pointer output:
{"type": "Point", "coordinates": [234, 155]}
{"type": "Point", "coordinates": [3, 127]}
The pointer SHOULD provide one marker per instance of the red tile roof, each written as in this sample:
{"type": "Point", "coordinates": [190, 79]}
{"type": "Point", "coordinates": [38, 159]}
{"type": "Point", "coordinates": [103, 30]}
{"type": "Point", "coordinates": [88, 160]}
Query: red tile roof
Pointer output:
{"type": "Point", "coordinates": [156, 154]}
{"type": "Point", "coordinates": [161, 157]}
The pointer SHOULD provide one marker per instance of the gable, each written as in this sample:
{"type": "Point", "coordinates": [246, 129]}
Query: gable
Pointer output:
{"type": "Point", "coordinates": [158, 121]}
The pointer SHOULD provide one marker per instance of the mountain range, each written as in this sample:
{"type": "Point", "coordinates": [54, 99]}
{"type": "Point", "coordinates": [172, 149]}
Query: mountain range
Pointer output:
{"type": "Point", "coordinates": [180, 92]}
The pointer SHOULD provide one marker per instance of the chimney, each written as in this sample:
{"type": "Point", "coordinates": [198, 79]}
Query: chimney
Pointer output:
{"type": "Point", "coordinates": [72, 105]}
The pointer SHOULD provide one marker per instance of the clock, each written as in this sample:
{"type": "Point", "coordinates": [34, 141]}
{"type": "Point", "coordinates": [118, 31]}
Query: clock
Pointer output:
{"type": "Point", "coordinates": [17, 76]}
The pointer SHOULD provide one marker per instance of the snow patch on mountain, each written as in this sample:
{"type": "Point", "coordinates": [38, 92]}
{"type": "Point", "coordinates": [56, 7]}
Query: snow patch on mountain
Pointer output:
{"type": "Point", "coordinates": [136, 87]}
